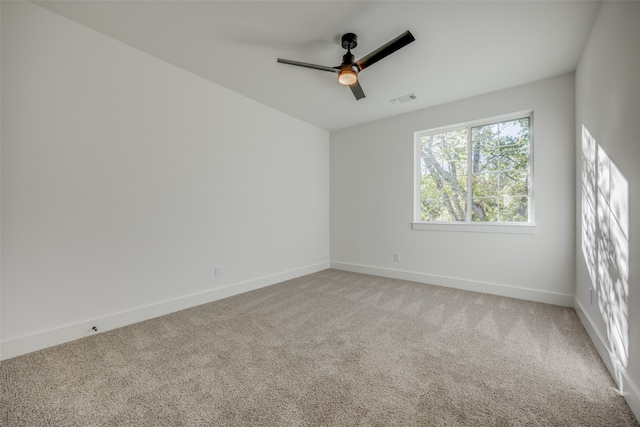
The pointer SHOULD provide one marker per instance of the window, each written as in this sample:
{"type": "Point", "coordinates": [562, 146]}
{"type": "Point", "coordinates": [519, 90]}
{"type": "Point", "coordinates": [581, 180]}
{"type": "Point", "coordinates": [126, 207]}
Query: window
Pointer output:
{"type": "Point", "coordinates": [475, 173]}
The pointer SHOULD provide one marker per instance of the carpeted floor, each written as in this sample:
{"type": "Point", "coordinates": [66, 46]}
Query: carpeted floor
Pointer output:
{"type": "Point", "coordinates": [331, 348]}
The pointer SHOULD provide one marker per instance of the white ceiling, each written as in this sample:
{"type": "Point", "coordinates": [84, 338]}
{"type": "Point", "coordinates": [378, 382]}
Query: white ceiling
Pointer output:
{"type": "Point", "coordinates": [462, 49]}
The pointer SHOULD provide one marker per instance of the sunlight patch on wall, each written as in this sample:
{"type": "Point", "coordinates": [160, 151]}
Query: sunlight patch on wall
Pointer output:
{"type": "Point", "coordinates": [589, 203]}
{"type": "Point", "coordinates": [605, 241]}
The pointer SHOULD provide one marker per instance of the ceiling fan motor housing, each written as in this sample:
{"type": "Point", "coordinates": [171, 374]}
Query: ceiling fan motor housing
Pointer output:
{"type": "Point", "coordinates": [347, 60]}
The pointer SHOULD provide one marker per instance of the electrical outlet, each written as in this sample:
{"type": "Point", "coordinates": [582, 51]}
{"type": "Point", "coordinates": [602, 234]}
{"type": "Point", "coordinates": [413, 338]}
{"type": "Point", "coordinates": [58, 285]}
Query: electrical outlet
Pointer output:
{"type": "Point", "coordinates": [218, 271]}
{"type": "Point", "coordinates": [396, 257]}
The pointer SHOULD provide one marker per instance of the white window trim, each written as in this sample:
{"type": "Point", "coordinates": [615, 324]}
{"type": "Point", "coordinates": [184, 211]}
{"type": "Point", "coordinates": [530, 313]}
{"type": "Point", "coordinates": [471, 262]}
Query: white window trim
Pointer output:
{"type": "Point", "coordinates": [468, 226]}
{"type": "Point", "coordinates": [485, 227]}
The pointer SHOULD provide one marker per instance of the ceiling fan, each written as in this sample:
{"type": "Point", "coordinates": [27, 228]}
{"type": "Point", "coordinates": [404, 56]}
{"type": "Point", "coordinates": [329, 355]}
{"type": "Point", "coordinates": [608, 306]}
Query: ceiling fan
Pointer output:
{"type": "Point", "coordinates": [349, 69]}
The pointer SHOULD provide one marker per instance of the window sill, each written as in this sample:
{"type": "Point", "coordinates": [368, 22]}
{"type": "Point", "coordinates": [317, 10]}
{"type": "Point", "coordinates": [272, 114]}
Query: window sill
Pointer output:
{"type": "Point", "coordinates": [476, 228]}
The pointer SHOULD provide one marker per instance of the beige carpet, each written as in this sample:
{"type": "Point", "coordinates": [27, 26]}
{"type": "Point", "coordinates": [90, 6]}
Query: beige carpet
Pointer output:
{"type": "Point", "coordinates": [331, 348]}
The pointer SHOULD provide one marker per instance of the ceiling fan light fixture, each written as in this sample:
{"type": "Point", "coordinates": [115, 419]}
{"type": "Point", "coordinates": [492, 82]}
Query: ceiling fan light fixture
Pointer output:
{"type": "Point", "coordinates": [347, 77]}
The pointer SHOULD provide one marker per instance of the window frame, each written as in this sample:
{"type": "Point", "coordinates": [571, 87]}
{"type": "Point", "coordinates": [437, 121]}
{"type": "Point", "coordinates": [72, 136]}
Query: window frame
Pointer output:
{"type": "Point", "coordinates": [468, 224]}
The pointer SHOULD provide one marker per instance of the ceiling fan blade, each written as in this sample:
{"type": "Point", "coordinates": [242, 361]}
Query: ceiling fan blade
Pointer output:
{"type": "Point", "coordinates": [306, 65]}
{"type": "Point", "coordinates": [357, 91]}
{"type": "Point", "coordinates": [385, 50]}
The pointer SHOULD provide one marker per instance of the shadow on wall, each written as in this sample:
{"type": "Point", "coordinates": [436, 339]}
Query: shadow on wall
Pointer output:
{"type": "Point", "coordinates": [605, 244]}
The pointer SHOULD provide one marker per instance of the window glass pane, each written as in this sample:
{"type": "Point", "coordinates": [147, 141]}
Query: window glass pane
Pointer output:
{"type": "Point", "coordinates": [515, 209]}
{"type": "Point", "coordinates": [514, 132]}
{"type": "Point", "coordinates": [454, 210]}
{"type": "Point", "coordinates": [443, 167]}
{"type": "Point", "coordinates": [485, 184]}
{"type": "Point", "coordinates": [484, 209]}
{"type": "Point", "coordinates": [484, 148]}
{"type": "Point", "coordinates": [431, 210]}
{"type": "Point", "coordinates": [500, 177]}
{"type": "Point", "coordinates": [515, 156]}
{"type": "Point", "coordinates": [514, 183]}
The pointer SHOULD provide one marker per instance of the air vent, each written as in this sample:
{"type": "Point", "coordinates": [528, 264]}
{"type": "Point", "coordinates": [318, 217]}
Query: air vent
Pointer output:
{"type": "Point", "coordinates": [403, 99]}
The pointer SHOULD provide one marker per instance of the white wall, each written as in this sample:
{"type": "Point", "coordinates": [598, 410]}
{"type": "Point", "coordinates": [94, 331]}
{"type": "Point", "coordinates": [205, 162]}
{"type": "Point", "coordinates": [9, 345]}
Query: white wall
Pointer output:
{"type": "Point", "coordinates": [0, 184]}
{"type": "Point", "coordinates": [125, 180]}
{"type": "Point", "coordinates": [608, 106]}
{"type": "Point", "coordinates": [372, 202]}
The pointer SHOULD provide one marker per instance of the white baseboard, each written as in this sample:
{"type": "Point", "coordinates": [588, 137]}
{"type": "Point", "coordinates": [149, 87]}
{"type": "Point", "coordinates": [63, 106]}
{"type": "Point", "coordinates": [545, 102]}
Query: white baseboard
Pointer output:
{"type": "Point", "coordinates": [467, 285]}
{"type": "Point", "coordinates": [628, 388]}
{"type": "Point", "coordinates": [26, 344]}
